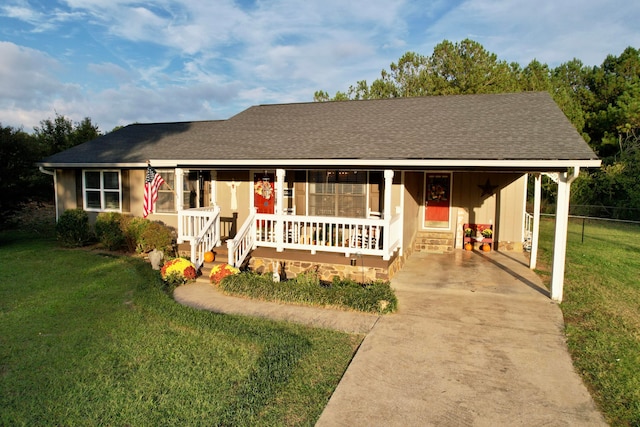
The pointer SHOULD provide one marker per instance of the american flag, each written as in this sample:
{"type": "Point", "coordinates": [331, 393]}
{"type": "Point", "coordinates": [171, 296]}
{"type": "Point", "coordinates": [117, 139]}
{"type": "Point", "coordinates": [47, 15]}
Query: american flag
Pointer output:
{"type": "Point", "coordinates": [152, 182]}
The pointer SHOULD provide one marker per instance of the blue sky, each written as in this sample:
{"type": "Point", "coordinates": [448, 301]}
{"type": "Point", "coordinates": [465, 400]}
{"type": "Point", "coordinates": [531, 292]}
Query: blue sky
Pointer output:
{"type": "Point", "coordinates": [121, 61]}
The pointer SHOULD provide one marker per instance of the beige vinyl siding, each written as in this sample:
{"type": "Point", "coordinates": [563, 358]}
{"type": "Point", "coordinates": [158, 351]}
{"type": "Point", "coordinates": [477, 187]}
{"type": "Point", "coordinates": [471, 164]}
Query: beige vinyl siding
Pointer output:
{"type": "Point", "coordinates": [503, 208]}
{"type": "Point", "coordinates": [223, 193]}
{"type": "Point", "coordinates": [512, 212]}
{"type": "Point", "coordinates": [413, 183]}
{"type": "Point", "coordinates": [300, 191]}
{"type": "Point", "coordinates": [126, 191]}
{"type": "Point", "coordinates": [66, 190]}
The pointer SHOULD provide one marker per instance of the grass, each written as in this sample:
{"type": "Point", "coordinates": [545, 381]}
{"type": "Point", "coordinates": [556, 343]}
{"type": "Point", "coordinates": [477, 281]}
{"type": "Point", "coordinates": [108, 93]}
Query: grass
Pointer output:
{"type": "Point", "coordinates": [88, 339]}
{"type": "Point", "coordinates": [376, 297]}
{"type": "Point", "coordinates": [601, 307]}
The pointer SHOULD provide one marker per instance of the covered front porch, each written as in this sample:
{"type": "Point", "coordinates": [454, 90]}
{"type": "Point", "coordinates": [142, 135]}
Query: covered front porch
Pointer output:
{"type": "Point", "coordinates": [377, 234]}
{"type": "Point", "coordinates": [387, 234]}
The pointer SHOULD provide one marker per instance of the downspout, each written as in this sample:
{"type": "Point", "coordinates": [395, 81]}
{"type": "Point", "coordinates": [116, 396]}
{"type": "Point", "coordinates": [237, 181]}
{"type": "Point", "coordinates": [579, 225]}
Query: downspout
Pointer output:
{"type": "Point", "coordinates": [55, 187]}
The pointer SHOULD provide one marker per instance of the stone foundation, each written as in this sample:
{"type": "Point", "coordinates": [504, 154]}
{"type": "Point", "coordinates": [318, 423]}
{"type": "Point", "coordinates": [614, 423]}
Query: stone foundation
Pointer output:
{"type": "Point", "coordinates": [327, 272]}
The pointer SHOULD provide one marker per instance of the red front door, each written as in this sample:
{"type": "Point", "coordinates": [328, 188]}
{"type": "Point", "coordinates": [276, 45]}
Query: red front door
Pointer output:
{"type": "Point", "coordinates": [264, 194]}
{"type": "Point", "coordinates": [437, 200]}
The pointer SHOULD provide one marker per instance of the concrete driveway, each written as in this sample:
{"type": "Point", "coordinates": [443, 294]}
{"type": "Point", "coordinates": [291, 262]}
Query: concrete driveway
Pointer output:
{"type": "Point", "coordinates": [476, 342]}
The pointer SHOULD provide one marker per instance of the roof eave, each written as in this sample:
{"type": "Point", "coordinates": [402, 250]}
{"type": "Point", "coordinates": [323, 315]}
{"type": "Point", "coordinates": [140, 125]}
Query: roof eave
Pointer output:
{"type": "Point", "coordinates": [536, 164]}
{"type": "Point", "coordinates": [395, 163]}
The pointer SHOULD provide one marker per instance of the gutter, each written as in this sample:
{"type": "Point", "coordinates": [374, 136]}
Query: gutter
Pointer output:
{"type": "Point", "coordinates": [541, 165]}
{"type": "Point", "coordinates": [43, 170]}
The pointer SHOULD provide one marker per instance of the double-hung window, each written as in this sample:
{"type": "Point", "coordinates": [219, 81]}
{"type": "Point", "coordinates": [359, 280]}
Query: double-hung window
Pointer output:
{"type": "Point", "coordinates": [338, 193]}
{"type": "Point", "coordinates": [102, 190]}
{"type": "Point", "coordinates": [166, 202]}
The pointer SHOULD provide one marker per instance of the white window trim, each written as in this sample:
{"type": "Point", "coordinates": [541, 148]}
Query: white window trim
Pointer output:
{"type": "Point", "coordinates": [102, 191]}
{"type": "Point", "coordinates": [163, 172]}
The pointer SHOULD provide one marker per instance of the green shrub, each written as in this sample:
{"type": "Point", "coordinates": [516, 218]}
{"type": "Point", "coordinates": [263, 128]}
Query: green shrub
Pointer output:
{"type": "Point", "coordinates": [109, 231]}
{"type": "Point", "coordinates": [156, 236]}
{"type": "Point", "coordinates": [73, 228]}
{"type": "Point", "coordinates": [377, 297]}
{"type": "Point", "coordinates": [132, 228]}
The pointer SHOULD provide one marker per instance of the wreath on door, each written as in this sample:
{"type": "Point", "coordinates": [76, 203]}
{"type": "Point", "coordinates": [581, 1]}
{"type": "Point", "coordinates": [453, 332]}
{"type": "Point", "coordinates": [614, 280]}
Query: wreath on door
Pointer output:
{"type": "Point", "coordinates": [263, 188]}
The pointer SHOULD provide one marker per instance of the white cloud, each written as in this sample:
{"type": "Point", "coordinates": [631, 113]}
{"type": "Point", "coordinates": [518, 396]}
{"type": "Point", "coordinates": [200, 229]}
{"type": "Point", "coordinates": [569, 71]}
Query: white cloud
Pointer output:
{"type": "Point", "coordinates": [40, 21]}
{"type": "Point", "coordinates": [552, 32]}
{"type": "Point", "coordinates": [202, 59]}
{"type": "Point", "coordinates": [27, 77]}
{"type": "Point", "coordinates": [111, 71]}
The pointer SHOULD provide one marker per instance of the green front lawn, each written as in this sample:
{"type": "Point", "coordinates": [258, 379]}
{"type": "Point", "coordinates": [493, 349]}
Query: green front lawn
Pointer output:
{"type": "Point", "coordinates": [602, 312]}
{"type": "Point", "coordinates": [88, 339]}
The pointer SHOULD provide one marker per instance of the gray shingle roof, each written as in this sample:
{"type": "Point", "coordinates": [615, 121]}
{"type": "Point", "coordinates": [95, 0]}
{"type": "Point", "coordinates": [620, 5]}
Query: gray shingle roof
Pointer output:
{"type": "Point", "coordinates": [519, 126]}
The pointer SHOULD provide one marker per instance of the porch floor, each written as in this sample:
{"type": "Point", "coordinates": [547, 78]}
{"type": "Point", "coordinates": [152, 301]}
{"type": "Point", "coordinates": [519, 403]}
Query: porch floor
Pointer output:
{"type": "Point", "coordinates": [321, 257]}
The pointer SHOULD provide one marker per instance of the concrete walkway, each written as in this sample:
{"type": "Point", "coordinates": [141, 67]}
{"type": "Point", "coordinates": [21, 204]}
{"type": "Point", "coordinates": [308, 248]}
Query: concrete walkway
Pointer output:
{"type": "Point", "coordinates": [476, 342]}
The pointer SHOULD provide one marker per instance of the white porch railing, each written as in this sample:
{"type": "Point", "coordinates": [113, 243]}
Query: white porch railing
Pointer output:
{"type": "Point", "coordinates": [239, 247]}
{"type": "Point", "coordinates": [528, 230]}
{"type": "Point", "coordinates": [376, 237]}
{"type": "Point", "coordinates": [201, 228]}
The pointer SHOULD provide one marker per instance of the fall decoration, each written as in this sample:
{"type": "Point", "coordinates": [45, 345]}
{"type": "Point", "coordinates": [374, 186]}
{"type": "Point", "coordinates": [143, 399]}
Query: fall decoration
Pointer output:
{"type": "Point", "coordinates": [178, 271]}
{"type": "Point", "coordinates": [221, 271]}
{"type": "Point", "coordinates": [209, 256]}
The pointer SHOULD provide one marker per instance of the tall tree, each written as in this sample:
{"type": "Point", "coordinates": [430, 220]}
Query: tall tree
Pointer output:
{"type": "Point", "coordinates": [615, 102]}
{"type": "Point", "coordinates": [467, 67]}
{"type": "Point", "coordinates": [19, 179]}
{"type": "Point", "coordinates": [570, 90]}
{"type": "Point", "coordinates": [453, 68]}
{"type": "Point", "coordinates": [61, 133]}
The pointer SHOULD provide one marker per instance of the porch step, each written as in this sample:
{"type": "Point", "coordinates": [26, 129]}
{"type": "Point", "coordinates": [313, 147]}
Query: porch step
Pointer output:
{"type": "Point", "coordinates": [184, 250]}
{"type": "Point", "coordinates": [434, 242]}
{"type": "Point", "coordinates": [221, 258]}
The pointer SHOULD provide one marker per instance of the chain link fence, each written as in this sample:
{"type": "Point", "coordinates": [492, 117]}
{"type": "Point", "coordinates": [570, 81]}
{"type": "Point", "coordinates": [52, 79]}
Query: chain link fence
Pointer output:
{"type": "Point", "coordinates": [605, 212]}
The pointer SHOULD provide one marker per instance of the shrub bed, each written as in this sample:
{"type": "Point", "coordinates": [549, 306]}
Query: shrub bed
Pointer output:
{"type": "Point", "coordinates": [73, 228]}
{"type": "Point", "coordinates": [376, 297]}
{"type": "Point", "coordinates": [109, 230]}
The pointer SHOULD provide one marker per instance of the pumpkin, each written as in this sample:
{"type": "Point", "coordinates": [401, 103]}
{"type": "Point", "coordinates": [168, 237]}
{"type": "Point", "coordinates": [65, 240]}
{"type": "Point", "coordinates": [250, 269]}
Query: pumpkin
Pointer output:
{"type": "Point", "coordinates": [486, 247]}
{"type": "Point", "coordinates": [209, 256]}
{"type": "Point", "coordinates": [468, 246]}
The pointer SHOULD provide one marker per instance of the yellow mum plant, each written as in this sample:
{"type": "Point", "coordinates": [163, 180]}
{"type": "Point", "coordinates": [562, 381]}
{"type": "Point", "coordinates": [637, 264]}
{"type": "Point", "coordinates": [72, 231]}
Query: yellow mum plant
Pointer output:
{"type": "Point", "coordinates": [221, 271]}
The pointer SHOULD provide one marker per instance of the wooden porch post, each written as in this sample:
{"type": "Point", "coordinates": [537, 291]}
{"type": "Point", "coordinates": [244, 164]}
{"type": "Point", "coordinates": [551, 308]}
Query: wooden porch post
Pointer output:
{"type": "Point", "coordinates": [386, 235]}
{"type": "Point", "coordinates": [536, 220]}
{"type": "Point", "coordinates": [279, 226]}
{"type": "Point", "coordinates": [560, 238]}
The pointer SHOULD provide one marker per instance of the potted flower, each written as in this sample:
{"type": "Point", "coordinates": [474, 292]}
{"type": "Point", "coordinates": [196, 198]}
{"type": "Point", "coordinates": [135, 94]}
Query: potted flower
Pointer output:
{"type": "Point", "coordinates": [487, 232]}
{"type": "Point", "coordinates": [468, 232]}
{"type": "Point", "coordinates": [221, 271]}
{"type": "Point", "coordinates": [178, 271]}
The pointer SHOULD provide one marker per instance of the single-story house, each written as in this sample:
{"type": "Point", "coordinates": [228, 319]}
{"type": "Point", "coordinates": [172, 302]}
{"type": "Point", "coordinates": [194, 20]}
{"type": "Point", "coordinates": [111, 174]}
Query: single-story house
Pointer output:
{"type": "Point", "coordinates": [328, 185]}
